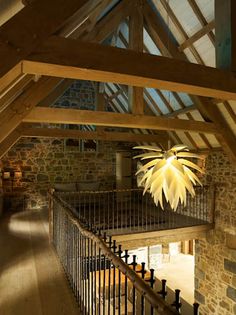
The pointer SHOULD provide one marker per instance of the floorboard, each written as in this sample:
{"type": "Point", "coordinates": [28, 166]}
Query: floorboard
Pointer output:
{"type": "Point", "coordinates": [32, 280]}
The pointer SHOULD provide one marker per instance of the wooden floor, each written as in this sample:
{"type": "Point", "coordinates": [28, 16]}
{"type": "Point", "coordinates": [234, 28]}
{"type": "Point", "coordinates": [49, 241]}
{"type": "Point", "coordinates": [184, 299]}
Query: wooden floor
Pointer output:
{"type": "Point", "coordinates": [31, 278]}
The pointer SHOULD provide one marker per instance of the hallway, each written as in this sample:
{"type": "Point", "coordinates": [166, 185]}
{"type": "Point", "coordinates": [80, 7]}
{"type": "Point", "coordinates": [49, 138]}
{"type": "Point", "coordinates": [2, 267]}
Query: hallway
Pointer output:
{"type": "Point", "coordinates": [31, 278]}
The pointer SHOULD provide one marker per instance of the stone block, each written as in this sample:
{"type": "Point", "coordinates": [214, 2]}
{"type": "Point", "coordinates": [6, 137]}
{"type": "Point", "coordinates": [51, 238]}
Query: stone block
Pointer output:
{"type": "Point", "coordinates": [199, 297]}
{"type": "Point", "coordinates": [234, 281]}
{"type": "Point", "coordinates": [59, 155]}
{"type": "Point", "coordinates": [56, 142]}
{"type": "Point", "coordinates": [234, 309]}
{"type": "Point", "coordinates": [200, 274]}
{"type": "Point", "coordinates": [225, 305]}
{"type": "Point", "coordinates": [230, 265]}
{"type": "Point", "coordinates": [231, 293]}
{"type": "Point", "coordinates": [42, 177]}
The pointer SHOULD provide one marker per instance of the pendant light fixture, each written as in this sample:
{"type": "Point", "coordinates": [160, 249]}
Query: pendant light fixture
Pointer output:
{"type": "Point", "coordinates": [168, 173]}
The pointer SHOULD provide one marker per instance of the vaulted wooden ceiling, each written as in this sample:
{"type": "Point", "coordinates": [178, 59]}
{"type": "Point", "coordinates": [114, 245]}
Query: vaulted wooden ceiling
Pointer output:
{"type": "Point", "coordinates": [159, 77]}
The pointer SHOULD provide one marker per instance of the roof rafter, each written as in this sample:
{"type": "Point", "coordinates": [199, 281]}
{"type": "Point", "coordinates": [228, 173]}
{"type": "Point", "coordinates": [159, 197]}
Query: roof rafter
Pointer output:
{"type": "Point", "coordinates": [201, 19]}
{"type": "Point", "coordinates": [107, 25]}
{"type": "Point", "coordinates": [135, 94]}
{"type": "Point", "coordinates": [8, 123]}
{"type": "Point", "coordinates": [16, 45]}
{"type": "Point", "coordinates": [205, 106]}
{"type": "Point", "coordinates": [12, 116]}
{"type": "Point", "coordinates": [199, 34]}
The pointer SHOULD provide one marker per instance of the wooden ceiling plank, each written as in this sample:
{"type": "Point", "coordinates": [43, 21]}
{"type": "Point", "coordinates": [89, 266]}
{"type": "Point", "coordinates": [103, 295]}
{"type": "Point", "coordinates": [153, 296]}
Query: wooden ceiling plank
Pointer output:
{"type": "Point", "coordinates": [73, 59]}
{"type": "Point", "coordinates": [87, 117]}
{"type": "Point", "coordinates": [26, 29]}
{"type": "Point", "coordinates": [204, 105]}
{"type": "Point", "coordinates": [198, 35]}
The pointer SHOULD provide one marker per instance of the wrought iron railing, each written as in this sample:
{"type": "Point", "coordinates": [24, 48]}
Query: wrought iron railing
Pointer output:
{"type": "Point", "coordinates": [129, 211]}
{"type": "Point", "coordinates": [98, 270]}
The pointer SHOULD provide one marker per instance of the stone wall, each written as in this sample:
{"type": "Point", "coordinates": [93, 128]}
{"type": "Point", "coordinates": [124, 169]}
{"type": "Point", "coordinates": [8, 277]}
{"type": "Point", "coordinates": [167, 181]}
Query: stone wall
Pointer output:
{"type": "Point", "coordinates": [44, 162]}
{"type": "Point", "coordinates": [80, 95]}
{"type": "Point", "coordinates": [215, 271]}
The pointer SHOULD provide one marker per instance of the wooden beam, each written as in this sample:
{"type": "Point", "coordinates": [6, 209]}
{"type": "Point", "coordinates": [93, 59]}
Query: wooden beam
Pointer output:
{"type": "Point", "coordinates": [157, 237]}
{"type": "Point", "coordinates": [109, 23]}
{"type": "Point", "coordinates": [11, 78]}
{"type": "Point", "coordinates": [100, 102]}
{"type": "Point", "coordinates": [135, 94]}
{"type": "Point", "coordinates": [204, 105]}
{"type": "Point", "coordinates": [93, 135]}
{"type": "Point", "coordinates": [181, 111]}
{"type": "Point", "coordinates": [12, 116]}
{"type": "Point", "coordinates": [87, 117]}
{"type": "Point", "coordinates": [56, 93]}
{"type": "Point", "coordinates": [91, 7]}
{"type": "Point", "coordinates": [89, 23]}
{"type": "Point", "coordinates": [180, 29]}
{"type": "Point", "coordinates": [225, 17]}
{"type": "Point", "coordinates": [14, 92]}
{"type": "Point", "coordinates": [201, 19]}
{"type": "Point", "coordinates": [73, 59]}
{"type": "Point", "coordinates": [9, 141]}
{"type": "Point", "coordinates": [49, 84]}
{"type": "Point", "coordinates": [225, 136]}
{"type": "Point", "coordinates": [26, 29]}
{"type": "Point", "coordinates": [195, 37]}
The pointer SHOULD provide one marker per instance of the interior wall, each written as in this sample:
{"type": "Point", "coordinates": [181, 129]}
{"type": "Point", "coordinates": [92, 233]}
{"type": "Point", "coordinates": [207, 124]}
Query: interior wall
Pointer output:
{"type": "Point", "coordinates": [44, 162]}
{"type": "Point", "coordinates": [215, 267]}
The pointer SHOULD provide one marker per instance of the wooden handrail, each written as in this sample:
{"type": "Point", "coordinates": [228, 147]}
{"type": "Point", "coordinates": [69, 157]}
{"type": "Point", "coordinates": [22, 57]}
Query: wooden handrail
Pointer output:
{"type": "Point", "coordinates": [162, 307]}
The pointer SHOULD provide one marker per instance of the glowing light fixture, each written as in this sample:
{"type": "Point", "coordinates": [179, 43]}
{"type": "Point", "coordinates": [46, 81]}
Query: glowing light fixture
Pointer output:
{"type": "Point", "coordinates": [168, 173]}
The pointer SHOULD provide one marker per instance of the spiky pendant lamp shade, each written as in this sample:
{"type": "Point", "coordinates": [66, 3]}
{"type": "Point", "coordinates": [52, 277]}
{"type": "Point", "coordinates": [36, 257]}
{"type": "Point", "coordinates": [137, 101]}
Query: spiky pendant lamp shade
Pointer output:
{"type": "Point", "coordinates": [169, 173]}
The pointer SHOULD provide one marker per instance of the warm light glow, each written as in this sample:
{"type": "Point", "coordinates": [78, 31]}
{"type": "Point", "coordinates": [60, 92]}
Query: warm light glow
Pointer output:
{"type": "Point", "coordinates": [168, 173]}
{"type": "Point", "coordinates": [6, 175]}
{"type": "Point", "coordinates": [17, 175]}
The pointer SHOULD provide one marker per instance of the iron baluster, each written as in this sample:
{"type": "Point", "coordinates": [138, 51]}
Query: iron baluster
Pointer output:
{"type": "Point", "coordinates": [151, 280]}
{"type": "Point", "coordinates": [143, 272]}
{"type": "Point", "coordinates": [134, 264]}
{"type": "Point", "coordinates": [177, 304]}
{"type": "Point", "coordinates": [195, 308]}
{"type": "Point", "coordinates": [163, 291]}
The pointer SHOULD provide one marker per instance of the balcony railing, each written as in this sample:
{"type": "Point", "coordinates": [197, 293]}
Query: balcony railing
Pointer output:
{"type": "Point", "coordinates": [98, 271]}
{"type": "Point", "coordinates": [129, 211]}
